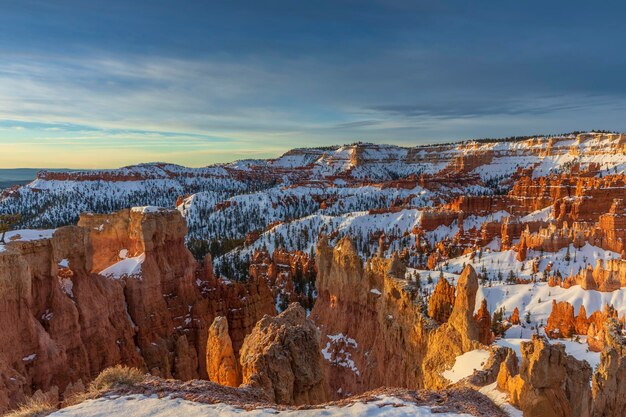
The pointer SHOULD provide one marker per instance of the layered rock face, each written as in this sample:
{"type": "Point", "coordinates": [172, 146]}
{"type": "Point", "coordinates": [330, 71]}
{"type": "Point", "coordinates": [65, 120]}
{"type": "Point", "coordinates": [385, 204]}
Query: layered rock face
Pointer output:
{"type": "Point", "coordinates": [118, 288]}
{"type": "Point", "coordinates": [58, 329]}
{"type": "Point", "coordinates": [282, 357]}
{"type": "Point", "coordinates": [374, 332]}
{"type": "Point", "coordinates": [549, 383]}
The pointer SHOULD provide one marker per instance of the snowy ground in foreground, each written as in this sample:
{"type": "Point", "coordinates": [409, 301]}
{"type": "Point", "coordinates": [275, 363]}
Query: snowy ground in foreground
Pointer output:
{"type": "Point", "coordinates": [142, 406]}
{"type": "Point", "coordinates": [500, 399]}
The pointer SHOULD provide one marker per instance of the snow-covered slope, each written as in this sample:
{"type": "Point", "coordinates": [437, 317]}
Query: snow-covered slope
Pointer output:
{"type": "Point", "coordinates": [56, 198]}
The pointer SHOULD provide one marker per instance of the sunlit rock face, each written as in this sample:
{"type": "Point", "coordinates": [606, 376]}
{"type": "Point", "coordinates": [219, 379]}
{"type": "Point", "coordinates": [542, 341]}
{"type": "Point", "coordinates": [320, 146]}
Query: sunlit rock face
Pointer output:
{"type": "Point", "coordinates": [221, 363]}
{"type": "Point", "coordinates": [549, 382]}
{"type": "Point", "coordinates": [281, 356]}
{"type": "Point", "coordinates": [441, 301]}
{"type": "Point", "coordinates": [374, 334]}
{"type": "Point", "coordinates": [118, 288]}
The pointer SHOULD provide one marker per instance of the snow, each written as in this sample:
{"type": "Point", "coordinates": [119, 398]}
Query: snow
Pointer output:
{"type": "Point", "coordinates": [537, 299]}
{"type": "Point", "coordinates": [504, 261]}
{"type": "Point", "coordinates": [147, 209]}
{"type": "Point", "coordinates": [360, 223]}
{"type": "Point", "coordinates": [466, 364]}
{"type": "Point", "coordinates": [500, 399]}
{"type": "Point", "coordinates": [26, 235]}
{"type": "Point", "coordinates": [29, 358]}
{"type": "Point", "coordinates": [375, 291]}
{"type": "Point", "coordinates": [580, 350]}
{"type": "Point", "coordinates": [544, 215]}
{"type": "Point", "coordinates": [128, 267]}
{"type": "Point", "coordinates": [143, 406]}
{"type": "Point", "coordinates": [339, 355]}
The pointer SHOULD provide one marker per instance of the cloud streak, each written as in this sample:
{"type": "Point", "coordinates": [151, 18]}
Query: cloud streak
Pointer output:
{"type": "Point", "coordinates": [228, 80]}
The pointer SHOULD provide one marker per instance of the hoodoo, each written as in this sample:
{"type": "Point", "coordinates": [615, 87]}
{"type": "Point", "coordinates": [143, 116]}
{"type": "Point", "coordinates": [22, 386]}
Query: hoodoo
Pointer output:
{"type": "Point", "coordinates": [117, 289]}
{"type": "Point", "coordinates": [374, 331]}
{"type": "Point", "coordinates": [281, 356]}
{"type": "Point", "coordinates": [364, 273]}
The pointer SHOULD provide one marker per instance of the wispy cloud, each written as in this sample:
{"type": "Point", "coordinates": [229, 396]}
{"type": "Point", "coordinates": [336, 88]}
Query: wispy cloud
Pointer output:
{"type": "Point", "coordinates": [78, 82]}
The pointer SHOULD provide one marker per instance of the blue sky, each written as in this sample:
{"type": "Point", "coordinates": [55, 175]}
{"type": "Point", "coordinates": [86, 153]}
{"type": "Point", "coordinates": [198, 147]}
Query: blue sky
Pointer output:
{"type": "Point", "coordinates": [110, 83]}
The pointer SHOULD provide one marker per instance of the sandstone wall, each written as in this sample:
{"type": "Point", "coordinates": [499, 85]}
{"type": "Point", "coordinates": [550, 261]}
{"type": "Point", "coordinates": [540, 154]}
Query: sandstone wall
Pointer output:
{"type": "Point", "coordinates": [373, 332]}
{"type": "Point", "coordinates": [63, 322]}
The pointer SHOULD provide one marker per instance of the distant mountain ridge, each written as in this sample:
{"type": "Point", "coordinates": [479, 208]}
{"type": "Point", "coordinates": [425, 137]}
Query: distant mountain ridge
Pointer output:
{"type": "Point", "coordinates": [21, 176]}
{"type": "Point", "coordinates": [442, 171]}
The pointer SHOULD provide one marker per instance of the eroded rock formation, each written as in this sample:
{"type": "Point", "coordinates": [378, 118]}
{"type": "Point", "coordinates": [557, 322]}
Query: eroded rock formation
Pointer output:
{"type": "Point", "coordinates": [441, 301]}
{"type": "Point", "coordinates": [561, 322]}
{"type": "Point", "coordinates": [549, 383]}
{"type": "Point", "coordinates": [373, 330]}
{"type": "Point", "coordinates": [483, 321]}
{"type": "Point", "coordinates": [600, 327]}
{"type": "Point", "coordinates": [281, 356]}
{"type": "Point", "coordinates": [221, 363]}
{"type": "Point", "coordinates": [119, 288]}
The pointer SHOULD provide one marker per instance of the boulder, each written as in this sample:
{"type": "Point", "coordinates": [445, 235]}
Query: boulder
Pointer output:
{"type": "Point", "coordinates": [282, 358]}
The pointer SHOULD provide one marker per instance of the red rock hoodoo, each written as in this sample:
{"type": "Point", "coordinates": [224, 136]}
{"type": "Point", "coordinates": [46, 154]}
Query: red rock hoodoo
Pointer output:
{"type": "Point", "coordinates": [119, 288]}
{"type": "Point", "coordinates": [281, 356]}
{"type": "Point", "coordinates": [373, 331]}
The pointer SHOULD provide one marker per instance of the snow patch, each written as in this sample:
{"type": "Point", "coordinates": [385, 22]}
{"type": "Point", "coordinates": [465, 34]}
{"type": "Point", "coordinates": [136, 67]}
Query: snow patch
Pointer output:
{"type": "Point", "coordinates": [337, 353]}
{"type": "Point", "coordinates": [129, 267]}
{"type": "Point", "coordinates": [147, 209]}
{"type": "Point", "coordinates": [143, 406]}
{"type": "Point", "coordinates": [500, 399]}
{"type": "Point", "coordinates": [466, 364]}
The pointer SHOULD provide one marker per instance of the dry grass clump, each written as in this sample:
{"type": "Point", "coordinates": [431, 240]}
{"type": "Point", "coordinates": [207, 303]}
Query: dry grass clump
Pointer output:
{"type": "Point", "coordinates": [116, 376]}
{"type": "Point", "coordinates": [34, 407]}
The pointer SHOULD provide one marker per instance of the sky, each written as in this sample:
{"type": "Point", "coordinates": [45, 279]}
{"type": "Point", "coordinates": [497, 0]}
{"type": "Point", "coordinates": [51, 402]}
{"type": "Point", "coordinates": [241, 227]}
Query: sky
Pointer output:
{"type": "Point", "coordinates": [91, 84]}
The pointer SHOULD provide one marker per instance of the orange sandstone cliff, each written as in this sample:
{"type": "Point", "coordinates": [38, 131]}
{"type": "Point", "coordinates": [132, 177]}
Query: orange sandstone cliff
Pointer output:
{"type": "Point", "coordinates": [118, 288]}
{"type": "Point", "coordinates": [374, 334]}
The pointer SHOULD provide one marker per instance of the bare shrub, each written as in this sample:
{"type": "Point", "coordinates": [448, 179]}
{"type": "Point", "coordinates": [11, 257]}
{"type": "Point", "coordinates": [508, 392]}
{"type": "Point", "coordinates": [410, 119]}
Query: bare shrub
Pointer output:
{"type": "Point", "coordinates": [35, 406]}
{"type": "Point", "coordinates": [116, 376]}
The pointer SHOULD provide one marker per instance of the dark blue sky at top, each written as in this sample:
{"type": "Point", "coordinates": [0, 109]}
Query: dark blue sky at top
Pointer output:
{"type": "Point", "coordinates": [255, 78]}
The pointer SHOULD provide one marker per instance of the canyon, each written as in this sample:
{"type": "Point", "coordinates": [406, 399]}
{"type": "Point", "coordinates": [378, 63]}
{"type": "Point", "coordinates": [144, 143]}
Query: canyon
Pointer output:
{"type": "Point", "coordinates": [116, 289]}
{"type": "Point", "coordinates": [491, 267]}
